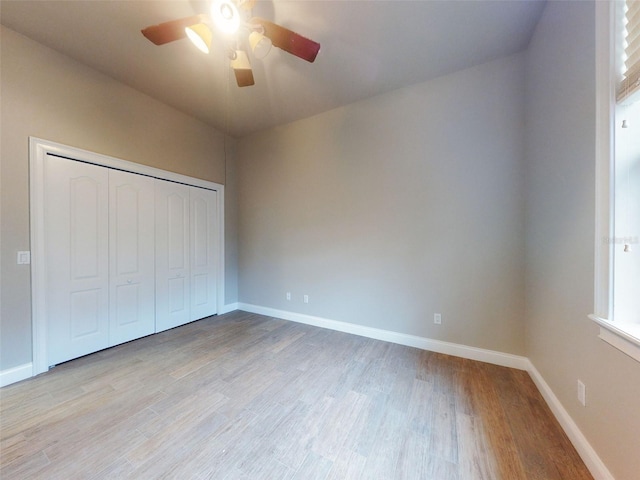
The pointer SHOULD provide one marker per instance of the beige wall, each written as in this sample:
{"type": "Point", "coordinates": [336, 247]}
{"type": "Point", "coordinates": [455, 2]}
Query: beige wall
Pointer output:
{"type": "Point", "coordinates": [48, 95]}
{"type": "Point", "coordinates": [231, 224]}
{"type": "Point", "coordinates": [560, 156]}
{"type": "Point", "coordinates": [390, 209]}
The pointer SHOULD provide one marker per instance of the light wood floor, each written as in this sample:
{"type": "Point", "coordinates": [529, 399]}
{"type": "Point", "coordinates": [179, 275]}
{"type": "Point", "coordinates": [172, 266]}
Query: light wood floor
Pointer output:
{"type": "Point", "coordinates": [242, 396]}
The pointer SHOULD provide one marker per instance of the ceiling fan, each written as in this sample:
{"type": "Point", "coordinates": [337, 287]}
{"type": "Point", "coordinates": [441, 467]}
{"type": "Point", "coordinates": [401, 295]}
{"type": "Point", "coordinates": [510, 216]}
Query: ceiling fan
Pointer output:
{"type": "Point", "coordinates": [237, 28]}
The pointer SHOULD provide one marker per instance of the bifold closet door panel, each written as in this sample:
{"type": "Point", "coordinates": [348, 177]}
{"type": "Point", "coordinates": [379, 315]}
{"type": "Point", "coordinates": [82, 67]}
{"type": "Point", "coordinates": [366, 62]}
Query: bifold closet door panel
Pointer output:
{"type": "Point", "coordinates": [76, 198]}
{"type": "Point", "coordinates": [132, 256]}
{"type": "Point", "coordinates": [203, 214]}
{"type": "Point", "coordinates": [172, 255]}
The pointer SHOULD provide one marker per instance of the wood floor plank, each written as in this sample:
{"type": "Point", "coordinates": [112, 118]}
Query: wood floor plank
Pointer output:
{"type": "Point", "coordinates": [496, 424]}
{"type": "Point", "coordinates": [303, 433]}
{"type": "Point", "coordinates": [338, 423]}
{"type": "Point", "coordinates": [270, 436]}
{"type": "Point", "coordinates": [186, 416]}
{"type": "Point", "coordinates": [348, 464]}
{"type": "Point", "coordinates": [120, 468]}
{"type": "Point", "coordinates": [412, 457]}
{"type": "Point", "coordinates": [270, 468]}
{"type": "Point", "coordinates": [365, 429]}
{"type": "Point", "coordinates": [314, 467]}
{"type": "Point", "coordinates": [385, 452]}
{"type": "Point", "coordinates": [444, 434]}
{"type": "Point", "coordinates": [58, 414]}
{"type": "Point", "coordinates": [159, 459]}
{"type": "Point", "coordinates": [439, 468]}
{"type": "Point", "coordinates": [102, 429]}
{"type": "Point", "coordinates": [220, 452]}
{"type": "Point", "coordinates": [420, 408]}
{"type": "Point", "coordinates": [475, 461]}
{"type": "Point", "coordinates": [288, 434]}
{"type": "Point", "coordinates": [244, 396]}
{"type": "Point", "coordinates": [30, 466]}
{"type": "Point", "coordinates": [401, 388]}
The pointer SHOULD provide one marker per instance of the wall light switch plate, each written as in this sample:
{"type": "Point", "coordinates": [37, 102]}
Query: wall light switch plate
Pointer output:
{"type": "Point", "coordinates": [582, 393]}
{"type": "Point", "coordinates": [24, 258]}
{"type": "Point", "coordinates": [437, 318]}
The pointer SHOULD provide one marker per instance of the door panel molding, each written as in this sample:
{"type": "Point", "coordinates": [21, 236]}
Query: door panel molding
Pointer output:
{"type": "Point", "coordinates": [131, 256]}
{"type": "Point", "coordinates": [77, 253]}
{"type": "Point", "coordinates": [172, 255]}
{"type": "Point", "coordinates": [203, 246]}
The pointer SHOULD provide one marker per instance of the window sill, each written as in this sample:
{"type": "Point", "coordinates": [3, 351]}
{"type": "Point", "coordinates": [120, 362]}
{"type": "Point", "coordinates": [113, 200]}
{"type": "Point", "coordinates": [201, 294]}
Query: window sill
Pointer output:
{"type": "Point", "coordinates": [623, 336]}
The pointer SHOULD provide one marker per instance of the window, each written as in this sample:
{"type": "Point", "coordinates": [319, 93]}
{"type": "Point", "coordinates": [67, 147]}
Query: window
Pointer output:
{"type": "Point", "coordinates": [627, 56]}
{"type": "Point", "coordinates": [617, 306]}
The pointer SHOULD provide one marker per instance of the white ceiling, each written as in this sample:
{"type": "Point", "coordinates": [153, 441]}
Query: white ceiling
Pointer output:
{"type": "Point", "coordinates": [367, 48]}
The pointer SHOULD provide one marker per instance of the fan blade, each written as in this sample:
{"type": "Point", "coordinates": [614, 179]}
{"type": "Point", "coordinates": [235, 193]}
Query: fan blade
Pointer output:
{"type": "Point", "coordinates": [244, 78]}
{"type": "Point", "coordinates": [173, 30]}
{"type": "Point", "coordinates": [242, 69]}
{"type": "Point", "coordinates": [289, 41]}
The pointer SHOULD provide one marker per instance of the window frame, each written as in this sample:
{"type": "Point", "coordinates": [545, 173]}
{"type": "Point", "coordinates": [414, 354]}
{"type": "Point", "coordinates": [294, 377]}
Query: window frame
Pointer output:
{"type": "Point", "coordinates": [625, 340]}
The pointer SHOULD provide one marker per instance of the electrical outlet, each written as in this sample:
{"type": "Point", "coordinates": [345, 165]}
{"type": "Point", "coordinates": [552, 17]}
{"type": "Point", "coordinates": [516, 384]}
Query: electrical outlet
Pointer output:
{"type": "Point", "coordinates": [305, 299]}
{"type": "Point", "coordinates": [437, 318]}
{"type": "Point", "coordinates": [582, 393]}
{"type": "Point", "coordinates": [289, 296]}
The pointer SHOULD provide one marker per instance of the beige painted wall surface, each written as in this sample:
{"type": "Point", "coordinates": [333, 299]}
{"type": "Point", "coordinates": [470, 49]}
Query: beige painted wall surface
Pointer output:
{"type": "Point", "coordinates": [560, 156]}
{"type": "Point", "coordinates": [390, 209]}
{"type": "Point", "coordinates": [48, 95]}
{"type": "Point", "coordinates": [231, 224]}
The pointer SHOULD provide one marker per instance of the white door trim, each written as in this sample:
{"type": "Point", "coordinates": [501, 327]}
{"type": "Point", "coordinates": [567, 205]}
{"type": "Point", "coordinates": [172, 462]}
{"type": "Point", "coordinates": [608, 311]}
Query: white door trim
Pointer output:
{"type": "Point", "coordinates": [38, 150]}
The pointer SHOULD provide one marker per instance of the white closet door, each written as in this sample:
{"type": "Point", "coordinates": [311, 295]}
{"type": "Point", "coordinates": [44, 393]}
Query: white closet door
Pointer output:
{"type": "Point", "coordinates": [76, 249]}
{"type": "Point", "coordinates": [172, 255]}
{"type": "Point", "coordinates": [132, 256]}
{"type": "Point", "coordinates": [203, 247]}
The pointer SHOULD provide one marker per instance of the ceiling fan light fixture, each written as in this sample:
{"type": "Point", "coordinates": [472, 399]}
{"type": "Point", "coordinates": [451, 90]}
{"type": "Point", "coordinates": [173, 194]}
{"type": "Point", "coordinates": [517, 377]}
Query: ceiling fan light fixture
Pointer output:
{"type": "Point", "coordinates": [200, 35]}
{"type": "Point", "coordinates": [260, 45]}
{"type": "Point", "coordinates": [241, 61]}
{"type": "Point", "coordinates": [242, 69]}
{"type": "Point", "coordinates": [226, 16]}
{"type": "Point", "coordinates": [246, 4]}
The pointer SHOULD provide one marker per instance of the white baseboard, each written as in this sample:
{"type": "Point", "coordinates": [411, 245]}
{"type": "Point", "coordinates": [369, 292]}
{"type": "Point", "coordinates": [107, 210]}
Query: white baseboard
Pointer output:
{"type": "Point", "coordinates": [229, 307]}
{"type": "Point", "coordinates": [589, 456]}
{"type": "Point", "coordinates": [464, 351]}
{"type": "Point", "coordinates": [15, 374]}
